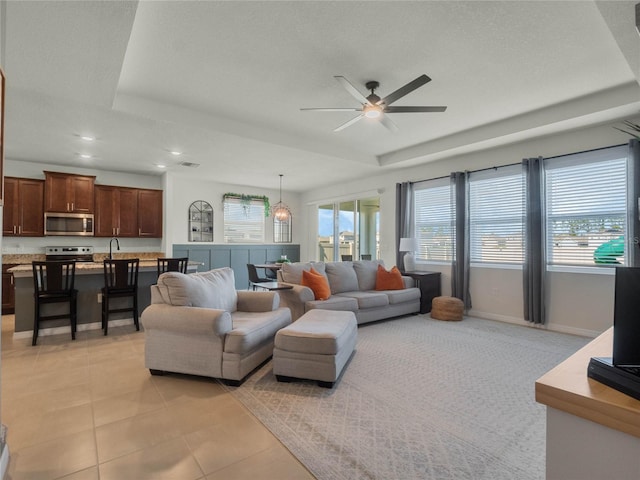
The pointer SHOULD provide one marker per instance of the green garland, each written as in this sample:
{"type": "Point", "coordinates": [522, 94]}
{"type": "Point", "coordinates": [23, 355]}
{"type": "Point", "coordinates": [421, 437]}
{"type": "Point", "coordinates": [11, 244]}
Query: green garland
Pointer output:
{"type": "Point", "coordinates": [246, 200]}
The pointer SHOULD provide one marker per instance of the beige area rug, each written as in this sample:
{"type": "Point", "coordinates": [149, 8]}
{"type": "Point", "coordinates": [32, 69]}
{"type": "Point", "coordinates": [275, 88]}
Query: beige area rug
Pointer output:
{"type": "Point", "coordinates": [420, 399]}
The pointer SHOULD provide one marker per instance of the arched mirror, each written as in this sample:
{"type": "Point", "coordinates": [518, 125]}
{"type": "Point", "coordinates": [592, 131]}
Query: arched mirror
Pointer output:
{"type": "Point", "coordinates": [282, 230]}
{"type": "Point", "coordinates": [200, 222]}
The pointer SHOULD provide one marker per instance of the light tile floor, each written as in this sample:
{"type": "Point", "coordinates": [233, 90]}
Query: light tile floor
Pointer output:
{"type": "Point", "coordinates": [88, 410]}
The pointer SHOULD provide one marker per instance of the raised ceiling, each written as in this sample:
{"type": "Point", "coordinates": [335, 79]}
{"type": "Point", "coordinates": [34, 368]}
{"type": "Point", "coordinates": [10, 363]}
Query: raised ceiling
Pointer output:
{"type": "Point", "coordinates": [223, 82]}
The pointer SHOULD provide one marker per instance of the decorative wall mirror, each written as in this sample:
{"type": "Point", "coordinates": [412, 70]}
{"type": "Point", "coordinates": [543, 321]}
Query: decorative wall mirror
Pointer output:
{"type": "Point", "coordinates": [200, 222]}
{"type": "Point", "coordinates": [282, 230]}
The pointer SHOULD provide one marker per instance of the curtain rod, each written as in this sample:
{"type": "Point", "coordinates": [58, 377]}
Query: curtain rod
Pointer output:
{"type": "Point", "coordinates": [518, 163]}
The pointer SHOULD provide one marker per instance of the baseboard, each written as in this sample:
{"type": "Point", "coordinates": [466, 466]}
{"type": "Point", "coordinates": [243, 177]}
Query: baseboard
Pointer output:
{"type": "Point", "coordinates": [81, 327]}
{"type": "Point", "coordinates": [553, 327]}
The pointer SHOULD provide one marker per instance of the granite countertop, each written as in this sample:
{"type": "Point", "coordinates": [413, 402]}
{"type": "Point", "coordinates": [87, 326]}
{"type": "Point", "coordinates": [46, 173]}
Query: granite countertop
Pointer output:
{"type": "Point", "coordinates": [148, 261]}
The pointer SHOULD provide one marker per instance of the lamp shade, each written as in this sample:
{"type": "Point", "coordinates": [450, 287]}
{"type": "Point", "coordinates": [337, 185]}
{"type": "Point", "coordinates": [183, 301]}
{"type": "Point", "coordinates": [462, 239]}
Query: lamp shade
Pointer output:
{"type": "Point", "coordinates": [408, 245]}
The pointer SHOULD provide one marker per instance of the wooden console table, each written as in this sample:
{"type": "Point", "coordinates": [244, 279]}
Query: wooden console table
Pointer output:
{"type": "Point", "coordinates": [593, 431]}
{"type": "Point", "coordinates": [429, 285]}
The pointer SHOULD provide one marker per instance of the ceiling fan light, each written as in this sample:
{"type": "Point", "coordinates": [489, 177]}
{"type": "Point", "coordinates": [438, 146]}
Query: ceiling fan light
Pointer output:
{"type": "Point", "coordinates": [372, 111]}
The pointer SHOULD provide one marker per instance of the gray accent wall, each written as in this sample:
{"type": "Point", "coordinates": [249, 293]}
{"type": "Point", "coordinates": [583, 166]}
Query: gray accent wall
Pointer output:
{"type": "Point", "coordinates": [236, 257]}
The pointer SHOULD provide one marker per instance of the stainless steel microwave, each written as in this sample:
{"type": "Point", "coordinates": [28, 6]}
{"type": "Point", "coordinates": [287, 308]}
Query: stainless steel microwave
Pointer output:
{"type": "Point", "coordinates": [68, 224]}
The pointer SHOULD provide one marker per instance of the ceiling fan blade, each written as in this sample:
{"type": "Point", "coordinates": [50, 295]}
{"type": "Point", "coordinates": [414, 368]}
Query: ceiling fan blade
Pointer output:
{"type": "Point", "coordinates": [414, 109]}
{"type": "Point", "coordinates": [402, 91]}
{"type": "Point", "coordinates": [352, 90]}
{"type": "Point", "coordinates": [349, 123]}
{"type": "Point", "coordinates": [387, 122]}
{"type": "Point", "coordinates": [337, 109]}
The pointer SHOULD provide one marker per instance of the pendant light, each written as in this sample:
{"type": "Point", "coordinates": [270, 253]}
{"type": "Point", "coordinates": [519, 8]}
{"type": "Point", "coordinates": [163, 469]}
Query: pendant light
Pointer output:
{"type": "Point", "coordinates": [280, 211]}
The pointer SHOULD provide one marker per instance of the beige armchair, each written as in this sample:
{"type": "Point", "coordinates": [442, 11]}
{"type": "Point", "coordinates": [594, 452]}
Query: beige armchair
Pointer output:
{"type": "Point", "coordinates": [199, 324]}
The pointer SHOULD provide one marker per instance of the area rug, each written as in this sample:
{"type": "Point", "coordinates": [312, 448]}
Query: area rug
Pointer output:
{"type": "Point", "coordinates": [420, 399]}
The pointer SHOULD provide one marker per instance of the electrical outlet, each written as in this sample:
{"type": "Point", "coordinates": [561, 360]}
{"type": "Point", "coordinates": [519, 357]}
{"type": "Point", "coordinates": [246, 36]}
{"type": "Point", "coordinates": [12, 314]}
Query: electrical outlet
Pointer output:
{"type": "Point", "coordinates": [99, 298]}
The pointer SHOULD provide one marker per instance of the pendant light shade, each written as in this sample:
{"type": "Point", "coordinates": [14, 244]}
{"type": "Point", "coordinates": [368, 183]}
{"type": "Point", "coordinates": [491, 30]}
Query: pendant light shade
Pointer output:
{"type": "Point", "coordinates": [280, 211]}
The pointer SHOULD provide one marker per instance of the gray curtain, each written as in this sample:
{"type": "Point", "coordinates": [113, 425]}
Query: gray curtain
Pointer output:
{"type": "Point", "coordinates": [633, 242]}
{"type": "Point", "coordinates": [404, 217]}
{"type": "Point", "coordinates": [534, 243]}
{"type": "Point", "coordinates": [460, 264]}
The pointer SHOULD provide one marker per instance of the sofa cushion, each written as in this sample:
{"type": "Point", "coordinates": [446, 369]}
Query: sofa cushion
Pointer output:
{"type": "Point", "coordinates": [316, 282]}
{"type": "Point", "coordinates": [389, 280]}
{"type": "Point", "coordinates": [292, 272]}
{"type": "Point", "coordinates": [402, 296]}
{"type": "Point", "coordinates": [212, 289]}
{"type": "Point", "coordinates": [366, 271]}
{"type": "Point", "coordinates": [252, 329]}
{"type": "Point", "coordinates": [367, 299]}
{"type": "Point", "coordinates": [342, 277]}
{"type": "Point", "coordinates": [335, 302]}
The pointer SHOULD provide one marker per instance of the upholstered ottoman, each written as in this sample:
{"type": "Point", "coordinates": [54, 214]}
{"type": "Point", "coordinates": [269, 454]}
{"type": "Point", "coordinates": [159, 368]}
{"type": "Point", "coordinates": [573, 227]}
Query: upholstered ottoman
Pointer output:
{"type": "Point", "coordinates": [447, 308]}
{"type": "Point", "coordinates": [317, 346]}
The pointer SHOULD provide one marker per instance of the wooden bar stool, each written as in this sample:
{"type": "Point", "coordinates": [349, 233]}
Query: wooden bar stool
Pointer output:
{"type": "Point", "coordinates": [120, 281]}
{"type": "Point", "coordinates": [172, 265]}
{"type": "Point", "coordinates": [53, 282]}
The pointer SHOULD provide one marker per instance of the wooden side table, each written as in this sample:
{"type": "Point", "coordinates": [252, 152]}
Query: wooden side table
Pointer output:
{"type": "Point", "coordinates": [429, 285]}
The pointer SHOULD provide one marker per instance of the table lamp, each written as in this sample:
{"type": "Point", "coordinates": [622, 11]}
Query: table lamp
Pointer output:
{"type": "Point", "coordinates": [408, 245]}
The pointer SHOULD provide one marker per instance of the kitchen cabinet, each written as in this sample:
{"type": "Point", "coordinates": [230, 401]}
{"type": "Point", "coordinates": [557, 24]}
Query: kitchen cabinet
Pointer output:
{"type": "Point", "coordinates": [127, 212]}
{"type": "Point", "coordinates": [8, 290]}
{"type": "Point", "coordinates": [116, 211]}
{"type": "Point", "coordinates": [67, 192]}
{"type": "Point", "coordinates": [24, 207]}
{"type": "Point", "coordinates": [149, 213]}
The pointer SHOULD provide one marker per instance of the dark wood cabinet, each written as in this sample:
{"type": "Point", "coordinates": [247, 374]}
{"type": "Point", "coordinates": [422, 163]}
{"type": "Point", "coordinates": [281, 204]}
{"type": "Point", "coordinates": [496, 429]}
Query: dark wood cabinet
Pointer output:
{"type": "Point", "coordinates": [24, 207]}
{"type": "Point", "coordinates": [150, 213]}
{"type": "Point", "coordinates": [116, 211]}
{"type": "Point", "coordinates": [127, 212]}
{"type": "Point", "coordinates": [8, 290]}
{"type": "Point", "coordinates": [429, 285]}
{"type": "Point", "coordinates": [66, 192]}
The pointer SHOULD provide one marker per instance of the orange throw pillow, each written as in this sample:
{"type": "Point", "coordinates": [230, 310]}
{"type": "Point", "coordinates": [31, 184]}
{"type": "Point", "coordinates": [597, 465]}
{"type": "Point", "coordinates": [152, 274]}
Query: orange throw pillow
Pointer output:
{"type": "Point", "coordinates": [389, 280]}
{"type": "Point", "coordinates": [316, 282]}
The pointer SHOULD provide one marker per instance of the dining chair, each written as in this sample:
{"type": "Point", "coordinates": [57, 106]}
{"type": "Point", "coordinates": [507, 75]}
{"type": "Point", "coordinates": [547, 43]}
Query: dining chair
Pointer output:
{"type": "Point", "coordinates": [53, 282]}
{"type": "Point", "coordinates": [347, 258]}
{"type": "Point", "coordinates": [178, 264]}
{"type": "Point", "coordinates": [120, 281]}
{"type": "Point", "coordinates": [271, 273]}
{"type": "Point", "coordinates": [253, 276]}
{"type": "Point", "coordinates": [365, 256]}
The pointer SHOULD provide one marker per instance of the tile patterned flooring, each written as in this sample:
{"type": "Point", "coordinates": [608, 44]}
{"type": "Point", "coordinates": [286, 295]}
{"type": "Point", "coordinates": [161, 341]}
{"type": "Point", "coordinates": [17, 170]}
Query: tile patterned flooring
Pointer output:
{"type": "Point", "coordinates": [89, 410]}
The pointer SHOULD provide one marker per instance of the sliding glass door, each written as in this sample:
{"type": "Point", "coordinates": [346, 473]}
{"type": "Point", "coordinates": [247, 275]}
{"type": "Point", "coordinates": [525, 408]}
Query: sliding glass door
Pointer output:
{"type": "Point", "coordinates": [349, 230]}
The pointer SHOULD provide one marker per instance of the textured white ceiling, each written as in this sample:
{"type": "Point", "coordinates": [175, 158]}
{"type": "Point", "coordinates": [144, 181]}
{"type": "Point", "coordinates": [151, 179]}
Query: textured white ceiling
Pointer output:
{"type": "Point", "coordinates": [224, 81]}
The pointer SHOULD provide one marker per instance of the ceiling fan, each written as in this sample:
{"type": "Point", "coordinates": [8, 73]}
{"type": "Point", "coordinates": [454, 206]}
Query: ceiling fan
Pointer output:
{"type": "Point", "coordinates": [375, 107]}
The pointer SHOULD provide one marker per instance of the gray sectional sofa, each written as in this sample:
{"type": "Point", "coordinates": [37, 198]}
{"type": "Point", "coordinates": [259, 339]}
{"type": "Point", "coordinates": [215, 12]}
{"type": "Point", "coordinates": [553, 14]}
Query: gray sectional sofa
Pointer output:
{"type": "Point", "coordinates": [352, 289]}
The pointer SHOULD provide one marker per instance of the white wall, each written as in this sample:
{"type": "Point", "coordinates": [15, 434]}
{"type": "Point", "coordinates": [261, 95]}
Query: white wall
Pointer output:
{"type": "Point", "coordinates": [577, 303]}
{"type": "Point", "coordinates": [181, 192]}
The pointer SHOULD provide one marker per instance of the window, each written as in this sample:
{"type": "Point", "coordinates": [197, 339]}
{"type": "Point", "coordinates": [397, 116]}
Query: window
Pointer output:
{"type": "Point", "coordinates": [433, 219]}
{"type": "Point", "coordinates": [349, 228]}
{"type": "Point", "coordinates": [496, 212]}
{"type": "Point", "coordinates": [586, 214]}
{"type": "Point", "coordinates": [243, 220]}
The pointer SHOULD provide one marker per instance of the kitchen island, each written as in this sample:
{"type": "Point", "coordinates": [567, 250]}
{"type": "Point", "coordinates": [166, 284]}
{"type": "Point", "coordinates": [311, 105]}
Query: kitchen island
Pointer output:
{"type": "Point", "coordinates": [89, 282]}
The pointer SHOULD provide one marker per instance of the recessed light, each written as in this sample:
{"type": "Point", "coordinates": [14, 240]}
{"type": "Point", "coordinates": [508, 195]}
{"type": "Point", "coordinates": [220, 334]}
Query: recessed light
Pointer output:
{"type": "Point", "coordinates": [175, 153]}
{"type": "Point", "coordinates": [85, 155]}
{"type": "Point", "coordinates": [160, 165]}
{"type": "Point", "coordinates": [88, 138]}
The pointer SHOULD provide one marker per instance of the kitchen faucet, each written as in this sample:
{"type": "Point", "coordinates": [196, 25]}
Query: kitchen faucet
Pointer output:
{"type": "Point", "coordinates": [117, 246]}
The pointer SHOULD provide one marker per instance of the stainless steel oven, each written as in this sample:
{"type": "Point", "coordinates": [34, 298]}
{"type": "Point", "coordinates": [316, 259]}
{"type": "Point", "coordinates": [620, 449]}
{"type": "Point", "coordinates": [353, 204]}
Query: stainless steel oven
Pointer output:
{"type": "Point", "coordinates": [79, 254]}
{"type": "Point", "coordinates": [68, 224]}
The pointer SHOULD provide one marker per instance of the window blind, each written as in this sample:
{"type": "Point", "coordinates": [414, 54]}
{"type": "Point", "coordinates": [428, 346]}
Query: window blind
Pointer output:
{"type": "Point", "coordinates": [243, 221]}
{"type": "Point", "coordinates": [496, 213]}
{"type": "Point", "coordinates": [433, 220]}
{"type": "Point", "coordinates": [586, 215]}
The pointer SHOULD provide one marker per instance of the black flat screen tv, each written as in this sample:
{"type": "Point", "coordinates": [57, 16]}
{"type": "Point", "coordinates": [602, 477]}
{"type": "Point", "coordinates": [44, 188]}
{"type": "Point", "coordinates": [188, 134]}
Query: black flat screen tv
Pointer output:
{"type": "Point", "coordinates": [626, 317]}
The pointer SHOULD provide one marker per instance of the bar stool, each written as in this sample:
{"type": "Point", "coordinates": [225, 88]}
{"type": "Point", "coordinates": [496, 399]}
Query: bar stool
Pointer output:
{"type": "Point", "coordinates": [120, 281]}
{"type": "Point", "coordinates": [53, 282]}
{"type": "Point", "coordinates": [172, 265]}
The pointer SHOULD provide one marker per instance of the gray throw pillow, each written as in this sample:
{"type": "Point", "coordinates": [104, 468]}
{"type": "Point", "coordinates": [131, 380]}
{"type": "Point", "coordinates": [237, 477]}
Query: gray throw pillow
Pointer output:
{"type": "Point", "coordinates": [342, 277]}
{"type": "Point", "coordinates": [212, 289]}
{"type": "Point", "coordinates": [367, 271]}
